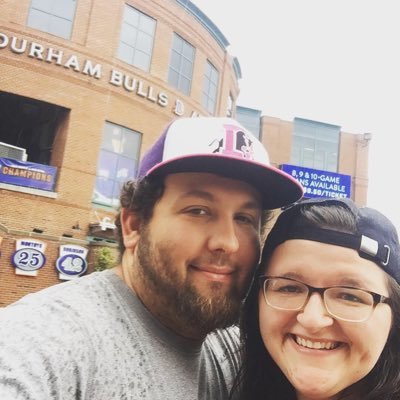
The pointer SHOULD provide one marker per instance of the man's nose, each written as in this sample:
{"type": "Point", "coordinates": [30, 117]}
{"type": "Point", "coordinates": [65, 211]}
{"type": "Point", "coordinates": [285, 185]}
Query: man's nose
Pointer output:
{"type": "Point", "coordinates": [223, 236]}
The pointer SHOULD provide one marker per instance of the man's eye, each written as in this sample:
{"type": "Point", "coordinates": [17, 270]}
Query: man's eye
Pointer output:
{"type": "Point", "coordinates": [245, 219]}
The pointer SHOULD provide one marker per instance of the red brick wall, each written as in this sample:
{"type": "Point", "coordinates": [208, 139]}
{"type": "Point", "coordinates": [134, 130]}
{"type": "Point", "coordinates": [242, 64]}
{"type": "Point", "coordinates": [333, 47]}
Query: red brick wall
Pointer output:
{"type": "Point", "coordinates": [90, 102]}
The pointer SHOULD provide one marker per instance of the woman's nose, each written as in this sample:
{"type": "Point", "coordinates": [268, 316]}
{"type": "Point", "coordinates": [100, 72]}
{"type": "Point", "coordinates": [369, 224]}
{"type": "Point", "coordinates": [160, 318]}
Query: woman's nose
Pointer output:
{"type": "Point", "coordinates": [314, 316]}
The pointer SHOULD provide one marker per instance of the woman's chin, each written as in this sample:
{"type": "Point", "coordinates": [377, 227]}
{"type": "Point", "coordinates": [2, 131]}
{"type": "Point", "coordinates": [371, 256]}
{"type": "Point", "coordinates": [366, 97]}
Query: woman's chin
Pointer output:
{"type": "Point", "coordinates": [313, 383]}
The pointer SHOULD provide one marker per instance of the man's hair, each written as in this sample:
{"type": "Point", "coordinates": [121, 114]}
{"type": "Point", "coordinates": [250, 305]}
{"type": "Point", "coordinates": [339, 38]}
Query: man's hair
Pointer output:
{"type": "Point", "coordinates": [261, 379]}
{"type": "Point", "coordinates": [141, 196]}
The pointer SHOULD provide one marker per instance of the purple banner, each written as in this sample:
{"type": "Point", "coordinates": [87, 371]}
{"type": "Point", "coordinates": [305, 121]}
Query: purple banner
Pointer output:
{"type": "Point", "coordinates": [24, 173]}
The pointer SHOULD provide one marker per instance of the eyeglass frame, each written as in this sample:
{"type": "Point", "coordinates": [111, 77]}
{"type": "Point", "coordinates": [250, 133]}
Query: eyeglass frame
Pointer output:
{"type": "Point", "coordinates": [376, 297]}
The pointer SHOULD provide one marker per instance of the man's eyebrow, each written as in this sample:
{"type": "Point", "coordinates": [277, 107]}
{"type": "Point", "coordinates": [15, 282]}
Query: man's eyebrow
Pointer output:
{"type": "Point", "coordinates": [198, 193]}
{"type": "Point", "coordinates": [205, 195]}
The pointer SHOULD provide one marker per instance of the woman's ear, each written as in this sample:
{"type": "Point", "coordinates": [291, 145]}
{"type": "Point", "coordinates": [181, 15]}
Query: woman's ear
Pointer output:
{"type": "Point", "coordinates": [130, 225]}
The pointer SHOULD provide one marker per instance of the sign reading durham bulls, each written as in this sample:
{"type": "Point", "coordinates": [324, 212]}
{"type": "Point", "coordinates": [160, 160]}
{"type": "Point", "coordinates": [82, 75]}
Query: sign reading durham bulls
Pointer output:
{"type": "Point", "coordinates": [72, 261]}
{"type": "Point", "coordinates": [29, 256]}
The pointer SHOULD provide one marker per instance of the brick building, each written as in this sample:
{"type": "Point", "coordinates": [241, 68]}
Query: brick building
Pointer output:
{"type": "Point", "coordinates": [85, 87]}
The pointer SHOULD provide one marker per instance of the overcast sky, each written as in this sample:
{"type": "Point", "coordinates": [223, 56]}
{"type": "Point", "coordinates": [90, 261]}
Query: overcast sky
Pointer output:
{"type": "Point", "coordinates": [334, 61]}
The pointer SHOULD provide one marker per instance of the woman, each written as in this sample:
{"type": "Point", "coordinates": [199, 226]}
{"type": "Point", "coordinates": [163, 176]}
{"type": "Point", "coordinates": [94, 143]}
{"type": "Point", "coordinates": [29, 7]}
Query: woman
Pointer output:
{"type": "Point", "coordinates": [322, 318]}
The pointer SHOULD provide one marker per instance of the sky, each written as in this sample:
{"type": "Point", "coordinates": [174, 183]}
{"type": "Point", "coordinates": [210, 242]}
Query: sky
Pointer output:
{"type": "Point", "coordinates": [333, 61]}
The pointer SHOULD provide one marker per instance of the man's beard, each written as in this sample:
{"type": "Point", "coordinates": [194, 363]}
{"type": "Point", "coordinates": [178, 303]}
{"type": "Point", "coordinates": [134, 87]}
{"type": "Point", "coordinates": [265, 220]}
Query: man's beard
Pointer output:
{"type": "Point", "coordinates": [181, 300]}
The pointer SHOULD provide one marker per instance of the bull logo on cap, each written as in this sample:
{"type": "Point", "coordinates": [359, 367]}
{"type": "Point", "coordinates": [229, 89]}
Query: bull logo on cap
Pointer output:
{"type": "Point", "coordinates": [235, 143]}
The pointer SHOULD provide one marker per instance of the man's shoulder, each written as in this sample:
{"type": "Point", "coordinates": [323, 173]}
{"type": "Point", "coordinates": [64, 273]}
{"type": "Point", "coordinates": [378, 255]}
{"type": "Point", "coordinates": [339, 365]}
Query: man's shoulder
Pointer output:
{"type": "Point", "coordinates": [59, 298]}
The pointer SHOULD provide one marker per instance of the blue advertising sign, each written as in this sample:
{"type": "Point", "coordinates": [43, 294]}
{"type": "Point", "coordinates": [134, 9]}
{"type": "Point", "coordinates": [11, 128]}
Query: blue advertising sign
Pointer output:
{"type": "Point", "coordinates": [28, 174]}
{"type": "Point", "coordinates": [319, 183]}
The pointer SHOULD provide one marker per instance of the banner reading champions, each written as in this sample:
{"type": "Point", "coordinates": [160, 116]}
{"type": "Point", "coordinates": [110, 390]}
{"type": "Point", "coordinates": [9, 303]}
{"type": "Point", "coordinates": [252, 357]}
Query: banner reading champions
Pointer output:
{"type": "Point", "coordinates": [28, 174]}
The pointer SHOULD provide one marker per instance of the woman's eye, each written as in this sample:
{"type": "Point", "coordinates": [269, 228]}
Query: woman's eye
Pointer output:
{"type": "Point", "coordinates": [197, 211]}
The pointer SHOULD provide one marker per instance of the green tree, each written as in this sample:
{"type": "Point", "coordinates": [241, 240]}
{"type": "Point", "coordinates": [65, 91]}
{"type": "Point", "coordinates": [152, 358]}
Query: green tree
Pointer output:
{"type": "Point", "coordinates": [104, 259]}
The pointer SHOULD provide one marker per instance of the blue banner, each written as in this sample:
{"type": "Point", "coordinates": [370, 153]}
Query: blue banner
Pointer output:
{"type": "Point", "coordinates": [28, 174]}
{"type": "Point", "coordinates": [319, 183]}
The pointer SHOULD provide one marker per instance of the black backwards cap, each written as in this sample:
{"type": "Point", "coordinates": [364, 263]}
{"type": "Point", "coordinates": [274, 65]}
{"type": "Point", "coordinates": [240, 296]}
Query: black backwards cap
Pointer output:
{"type": "Point", "coordinates": [375, 239]}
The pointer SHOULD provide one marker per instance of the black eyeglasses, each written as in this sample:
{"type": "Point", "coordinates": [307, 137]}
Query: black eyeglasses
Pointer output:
{"type": "Point", "coordinates": [345, 303]}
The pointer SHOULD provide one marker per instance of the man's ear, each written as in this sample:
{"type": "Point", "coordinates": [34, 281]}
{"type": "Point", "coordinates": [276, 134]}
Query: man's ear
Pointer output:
{"type": "Point", "coordinates": [130, 224]}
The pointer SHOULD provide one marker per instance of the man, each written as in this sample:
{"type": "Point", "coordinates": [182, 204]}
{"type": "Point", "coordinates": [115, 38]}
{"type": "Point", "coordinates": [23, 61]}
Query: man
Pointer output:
{"type": "Point", "coordinates": [189, 237]}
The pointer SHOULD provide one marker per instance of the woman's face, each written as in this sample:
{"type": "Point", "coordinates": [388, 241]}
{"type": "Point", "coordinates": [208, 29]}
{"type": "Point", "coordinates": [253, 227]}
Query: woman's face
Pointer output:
{"type": "Point", "coordinates": [318, 354]}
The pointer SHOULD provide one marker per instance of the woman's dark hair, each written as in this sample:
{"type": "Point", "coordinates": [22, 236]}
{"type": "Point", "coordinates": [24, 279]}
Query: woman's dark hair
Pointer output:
{"type": "Point", "coordinates": [260, 378]}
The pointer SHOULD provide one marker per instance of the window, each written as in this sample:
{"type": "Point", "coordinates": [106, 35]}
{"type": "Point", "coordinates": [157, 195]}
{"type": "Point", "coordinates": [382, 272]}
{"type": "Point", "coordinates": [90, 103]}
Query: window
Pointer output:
{"type": "Point", "coordinates": [52, 16]}
{"type": "Point", "coordinates": [315, 145]}
{"type": "Point", "coordinates": [181, 65]}
{"type": "Point", "coordinates": [31, 125]}
{"type": "Point", "coordinates": [117, 162]}
{"type": "Point", "coordinates": [137, 37]}
{"type": "Point", "coordinates": [210, 88]}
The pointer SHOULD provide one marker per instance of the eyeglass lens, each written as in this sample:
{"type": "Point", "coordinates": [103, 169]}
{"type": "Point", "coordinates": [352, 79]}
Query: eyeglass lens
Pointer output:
{"type": "Point", "coordinates": [347, 304]}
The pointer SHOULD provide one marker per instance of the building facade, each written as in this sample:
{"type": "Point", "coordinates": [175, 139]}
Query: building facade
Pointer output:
{"type": "Point", "coordinates": [326, 160]}
{"type": "Point", "coordinates": [85, 87]}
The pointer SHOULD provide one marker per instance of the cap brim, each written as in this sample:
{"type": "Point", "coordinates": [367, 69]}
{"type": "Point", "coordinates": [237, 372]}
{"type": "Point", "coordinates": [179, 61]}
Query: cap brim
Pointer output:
{"type": "Point", "coordinates": [277, 188]}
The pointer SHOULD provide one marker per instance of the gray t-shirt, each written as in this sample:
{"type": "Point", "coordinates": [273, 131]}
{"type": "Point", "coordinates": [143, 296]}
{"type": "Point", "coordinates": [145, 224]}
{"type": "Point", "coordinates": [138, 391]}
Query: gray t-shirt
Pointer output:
{"type": "Point", "coordinates": [92, 339]}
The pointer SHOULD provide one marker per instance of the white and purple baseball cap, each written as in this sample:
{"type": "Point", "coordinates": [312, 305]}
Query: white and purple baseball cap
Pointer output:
{"type": "Point", "coordinates": [220, 146]}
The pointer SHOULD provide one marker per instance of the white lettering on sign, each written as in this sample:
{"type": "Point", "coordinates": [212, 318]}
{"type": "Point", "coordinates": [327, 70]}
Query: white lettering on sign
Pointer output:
{"type": "Point", "coordinates": [87, 67]}
{"type": "Point", "coordinates": [322, 184]}
{"type": "Point", "coordinates": [131, 84]}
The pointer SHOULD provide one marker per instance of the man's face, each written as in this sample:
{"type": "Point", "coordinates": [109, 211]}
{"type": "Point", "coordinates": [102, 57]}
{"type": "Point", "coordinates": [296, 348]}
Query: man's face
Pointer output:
{"type": "Point", "coordinates": [196, 255]}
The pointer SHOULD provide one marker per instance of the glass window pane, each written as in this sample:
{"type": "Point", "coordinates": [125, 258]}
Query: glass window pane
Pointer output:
{"type": "Point", "coordinates": [212, 92]}
{"type": "Point", "coordinates": [103, 191]}
{"type": "Point", "coordinates": [214, 77]}
{"type": "Point", "coordinates": [173, 78]}
{"type": "Point", "coordinates": [141, 60]}
{"type": "Point", "coordinates": [177, 44]}
{"type": "Point", "coordinates": [64, 9]}
{"type": "Point", "coordinates": [144, 42]}
{"type": "Point", "coordinates": [112, 137]}
{"type": "Point", "coordinates": [185, 85]}
{"type": "Point", "coordinates": [125, 53]}
{"type": "Point", "coordinates": [118, 160]}
{"type": "Point", "coordinates": [107, 164]}
{"type": "Point", "coordinates": [60, 27]}
{"type": "Point", "coordinates": [126, 169]}
{"type": "Point", "coordinates": [131, 16]}
{"type": "Point", "coordinates": [52, 16]}
{"type": "Point", "coordinates": [181, 65]}
{"type": "Point", "coordinates": [138, 32]}
{"type": "Point", "coordinates": [128, 34]}
{"type": "Point", "coordinates": [186, 67]}
{"type": "Point", "coordinates": [318, 144]}
{"type": "Point", "coordinates": [147, 25]}
{"type": "Point", "coordinates": [187, 50]}
{"type": "Point", "coordinates": [130, 145]}
{"type": "Point", "coordinates": [44, 5]}
{"type": "Point", "coordinates": [175, 60]}
{"type": "Point", "coordinates": [39, 20]}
